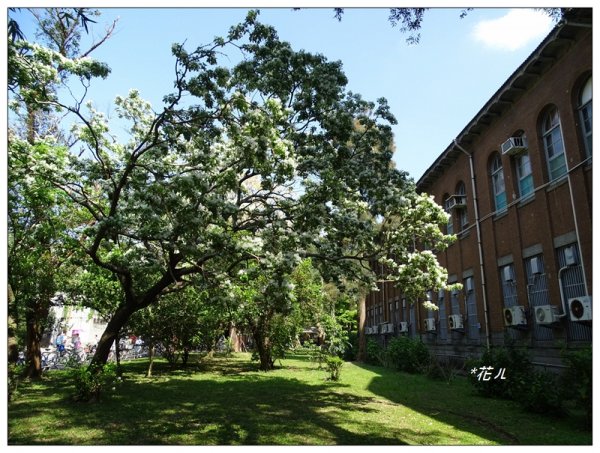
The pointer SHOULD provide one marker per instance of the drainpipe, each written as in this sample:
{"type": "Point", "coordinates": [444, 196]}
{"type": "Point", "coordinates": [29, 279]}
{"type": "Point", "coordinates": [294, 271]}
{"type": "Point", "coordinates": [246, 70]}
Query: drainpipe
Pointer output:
{"type": "Point", "coordinates": [479, 246]}
{"type": "Point", "coordinates": [585, 283]}
{"type": "Point", "coordinates": [565, 309]}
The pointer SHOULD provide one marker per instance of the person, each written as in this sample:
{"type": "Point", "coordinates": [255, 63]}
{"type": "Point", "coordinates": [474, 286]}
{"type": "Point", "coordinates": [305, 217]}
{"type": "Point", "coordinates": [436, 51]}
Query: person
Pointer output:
{"type": "Point", "coordinates": [60, 341]}
{"type": "Point", "coordinates": [76, 341]}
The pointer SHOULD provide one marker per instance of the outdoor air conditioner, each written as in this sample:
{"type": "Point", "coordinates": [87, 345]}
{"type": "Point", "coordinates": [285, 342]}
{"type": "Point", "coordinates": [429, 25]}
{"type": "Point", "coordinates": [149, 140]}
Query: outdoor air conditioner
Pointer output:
{"type": "Point", "coordinates": [515, 316]}
{"type": "Point", "coordinates": [429, 324]}
{"type": "Point", "coordinates": [456, 202]}
{"type": "Point", "coordinates": [507, 274]}
{"type": "Point", "coordinates": [536, 266]}
{"type": "Point", "coordinates": [545, 314]}
{"type": "Point", "coordinates": [580, 308]}
{"type": "Point", "coordinates": [455, 321]}
{"type": "Point", "coordinates": [387, 328]}
{"type": "Point", "coordinates": [367, 331]}
{"type": "Point", "coordinates": [514, 145]}
{"type": "Point", "coordinates": [402, 327]}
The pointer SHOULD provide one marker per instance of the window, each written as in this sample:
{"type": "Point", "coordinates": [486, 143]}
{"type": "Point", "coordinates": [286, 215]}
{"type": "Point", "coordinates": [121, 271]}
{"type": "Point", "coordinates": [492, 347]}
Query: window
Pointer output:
{"type": "Point", "coordinates": [497, 174]}
{"type": "Point", "coordinates": [538, 293]}
{"type": "Point", "coordinates": [450, 225]}
{"type": "Point", "coordinates": [523, 166]}
{"type": "Point", "coordinates": [463, 219]}
{"type": "Point", "coordinates": [471, 303]}
{"type": "Point", "coordinates": [509, 294]}
{"type": "Point", "coordinates": [572, 285]}
{"type": "Point", "coordinates": [443, 326]}
{"type": "Point", "coordinates": [585, 115]}
{"type": "Point", "coordinates": [553, 144]}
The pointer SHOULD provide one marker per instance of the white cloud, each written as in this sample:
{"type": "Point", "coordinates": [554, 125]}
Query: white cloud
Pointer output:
{"type": "Point", "coordinates": [513, 30]}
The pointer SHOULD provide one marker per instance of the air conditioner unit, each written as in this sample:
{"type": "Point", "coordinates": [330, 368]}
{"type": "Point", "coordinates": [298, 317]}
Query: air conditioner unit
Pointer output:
{"type": "Point", "coordinates": [514, 145]}
{"type": "Point", "coordinates": [507, 274]}
{"type": "Point", "coordinates": [536, 266]}
{"type": "Point", "coordinates": [367, 331]}
{"type": "Point", "coordinates": [456, 202]}
{"type": "Point", "coordinates": [429, 324]}
{"type": "Point", "coordinates": [469, 284]}
{"type": "Point", "coordinates": [545, 314]}
{"type": "Point", "coordinates": [455, 321]}
{"type": "Point", "coordinates": [580, 308]}
{"type": "Point", "coordinates": [515, 316]}
{"type": "Point", "coordinates": [387, 328]}
{"type": "Point", "coordinates": [402, 327]}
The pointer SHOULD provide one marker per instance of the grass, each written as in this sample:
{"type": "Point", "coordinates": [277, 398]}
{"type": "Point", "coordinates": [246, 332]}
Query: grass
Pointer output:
{"type": "Point", "coordinates": [227, 401]}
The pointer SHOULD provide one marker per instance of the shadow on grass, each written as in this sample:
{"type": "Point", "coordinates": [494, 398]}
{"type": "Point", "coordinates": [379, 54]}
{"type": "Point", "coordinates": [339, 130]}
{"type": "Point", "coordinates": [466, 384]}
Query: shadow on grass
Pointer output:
{"type": "Point", "coordinates": [456, 404]}
{"type": "Point", "coordinates": [197, 409]}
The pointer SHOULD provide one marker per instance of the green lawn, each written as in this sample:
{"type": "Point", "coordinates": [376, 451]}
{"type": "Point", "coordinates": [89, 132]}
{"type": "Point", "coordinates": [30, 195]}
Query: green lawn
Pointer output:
{"type": "Point", "coordinates": [221, 401]}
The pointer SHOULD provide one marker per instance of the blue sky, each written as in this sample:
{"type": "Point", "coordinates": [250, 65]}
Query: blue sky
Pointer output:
{"type": "Point", "coordinates": [434, 88]}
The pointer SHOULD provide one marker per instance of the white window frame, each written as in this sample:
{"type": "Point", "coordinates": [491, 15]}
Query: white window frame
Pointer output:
{"type": "Point", "coordinates": [554, 145]}
{"type": "Point", "coordinates": [498, 185]}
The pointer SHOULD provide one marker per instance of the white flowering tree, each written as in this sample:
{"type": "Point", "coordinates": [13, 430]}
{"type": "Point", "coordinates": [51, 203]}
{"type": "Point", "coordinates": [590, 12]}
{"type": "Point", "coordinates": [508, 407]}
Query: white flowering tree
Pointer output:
{"type": "Point", "coordinates": [268, 161]}
{"type": "Point", "coordinates": [40, 214]}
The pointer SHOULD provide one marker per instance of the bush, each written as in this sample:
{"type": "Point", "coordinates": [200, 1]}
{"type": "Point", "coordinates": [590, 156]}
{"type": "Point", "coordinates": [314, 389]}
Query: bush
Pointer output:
{"type": "Point", "coordinates": [536, 391]}
{"type": "Point", "coordinates": [544, 395]}
{"type": "Point", "coordinates": [374, 353]}
{"type": "Point", "coordinates": [13, 379]}
{"type": "Point", "coordinates": [440, 371]}
{"type": "Point", "coordinates": [577, 379]}
{"type": "Point", "coordinates": [518, 372]}
{"type": "Point", "coordinates": [407, 354]}
{"type": "Point", "coordinates": [352, 347]}
{"type": "Point", "coordinates": [334, 366]}
{"type": "Point", "coordinates": [90, 381]}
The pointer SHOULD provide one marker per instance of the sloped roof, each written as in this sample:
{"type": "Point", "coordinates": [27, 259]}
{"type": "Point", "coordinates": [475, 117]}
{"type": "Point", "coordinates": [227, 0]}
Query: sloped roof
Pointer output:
{"type": "Point", "coordinates": [558, 41]}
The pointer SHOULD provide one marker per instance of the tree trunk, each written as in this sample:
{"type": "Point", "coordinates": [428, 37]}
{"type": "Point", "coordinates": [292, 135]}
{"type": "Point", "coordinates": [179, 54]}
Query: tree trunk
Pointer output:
{"type": "Point", "coordinates": [36, 314]}
{"type": "Point", "coordinates": [150, 360]}
{"type": "Point", "coordinates": [111, 334]}
{"type": "Point", "coordinates": [362, 339]}
{"type": "Point", "coordinates": [13, 346]}
{"type": "Point", "coordinates": [118, 355]}
{"type": "Point", "coordinates": [263, 347]}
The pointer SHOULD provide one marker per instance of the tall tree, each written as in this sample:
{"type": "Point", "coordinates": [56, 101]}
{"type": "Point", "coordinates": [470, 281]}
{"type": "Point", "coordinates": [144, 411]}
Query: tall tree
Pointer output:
{"type": "Point", "coordinates": [259, 161]}
{"type": "Point", "coordinates": [39, 213]}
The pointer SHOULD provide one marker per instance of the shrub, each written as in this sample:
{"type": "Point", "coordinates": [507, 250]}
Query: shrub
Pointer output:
{"type": "Point", "coordinates": [543, 394]}
{"type": "Point", "coordinates": [90, 381]}
{"type": "Point", "coordinates": [334, 366]}
{"type": "Point", "coordinates": [441, 371]}
{"type": "Point", "coordinates": [536, 391]}
{"type": "Point", "coordinates": [577, 379]}
{"type": "Point", "coordinates": [518, 372]}
{"type": "Point", "coordinates": [374, 353]}
{"type": "Point", "coordinates": [352, 347]}
{"type": "Point", "coordinates": [13, 379]}
{"type": "Point", "coordinates": [407, 354]}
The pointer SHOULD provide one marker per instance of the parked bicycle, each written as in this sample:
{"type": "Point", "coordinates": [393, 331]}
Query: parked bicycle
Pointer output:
{"type": "Point", "coordinates": [59, 359]}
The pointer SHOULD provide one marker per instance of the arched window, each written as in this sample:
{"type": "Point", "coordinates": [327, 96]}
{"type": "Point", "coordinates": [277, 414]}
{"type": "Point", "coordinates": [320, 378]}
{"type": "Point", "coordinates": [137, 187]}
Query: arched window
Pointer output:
{"type": "Point", "coordinates": [497, 175]}
{"type": "Point", "coordinates": [450, 226]}
{"type": "Point", "coordinates": [585, 115]}
{"type": "Point", "coordinates": [523, 166]}
{"type": "Point", "coordinates": [553, 144]}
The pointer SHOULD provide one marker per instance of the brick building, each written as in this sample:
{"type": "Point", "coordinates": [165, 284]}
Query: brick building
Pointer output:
{"type": "Point", "coordinates": [517, 182]}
